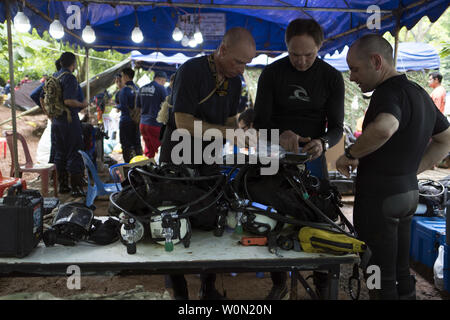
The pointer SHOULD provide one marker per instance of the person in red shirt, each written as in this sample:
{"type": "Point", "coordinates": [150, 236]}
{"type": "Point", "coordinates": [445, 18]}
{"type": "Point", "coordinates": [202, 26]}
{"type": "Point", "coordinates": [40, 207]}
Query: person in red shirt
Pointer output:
{"type": "Point", "coordinates": [438, 94]}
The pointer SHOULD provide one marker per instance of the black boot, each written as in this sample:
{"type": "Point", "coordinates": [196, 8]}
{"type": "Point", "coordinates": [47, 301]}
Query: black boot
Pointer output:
{"type": "Point", "coordinates": [320, 280]}
{"type": "Point", "coordinates": [407, 288]}
{"type": "Point", "coordinates": [208, 289]}
{"type": "Point", "coordinates": [63, 179]}
{"type": "Point", "coordinates": [128, 154]}
{"type": "Point", "coordinates": [279, 289]}
{"type": "Point", "coordinates": [179, 286]}
{"type": "Point", "coordinates": [77, 185]}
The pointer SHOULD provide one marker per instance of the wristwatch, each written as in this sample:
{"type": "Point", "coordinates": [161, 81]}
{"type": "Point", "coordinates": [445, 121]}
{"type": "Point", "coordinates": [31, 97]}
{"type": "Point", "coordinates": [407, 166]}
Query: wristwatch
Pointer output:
{"type": "Point", "coordinates": [348, 154]}
{"type": "Point", "coordinates": [325, 144]}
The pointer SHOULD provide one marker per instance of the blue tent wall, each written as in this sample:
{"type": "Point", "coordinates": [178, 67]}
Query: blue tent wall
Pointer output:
{"type": "Point", "coordinates": [113, 26]}
{"type": "Point", "coordinates": [411, 56]}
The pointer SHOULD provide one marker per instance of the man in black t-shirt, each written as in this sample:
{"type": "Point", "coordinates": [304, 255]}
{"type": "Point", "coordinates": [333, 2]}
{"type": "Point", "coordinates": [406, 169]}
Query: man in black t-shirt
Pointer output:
{"type": "Point", "coordinates": [303, 97]}
{"type": "Point", "coordinates": [206, 89]}
{"type": "Point", "coordinates": [403, 135]}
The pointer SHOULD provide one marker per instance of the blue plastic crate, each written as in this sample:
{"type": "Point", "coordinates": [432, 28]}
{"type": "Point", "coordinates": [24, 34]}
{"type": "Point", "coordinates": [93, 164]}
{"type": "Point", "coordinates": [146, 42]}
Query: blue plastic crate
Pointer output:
{"type": "Point", "coordinates": [427, 233]}
{"type": "Point", "coordinates": [446, 268]}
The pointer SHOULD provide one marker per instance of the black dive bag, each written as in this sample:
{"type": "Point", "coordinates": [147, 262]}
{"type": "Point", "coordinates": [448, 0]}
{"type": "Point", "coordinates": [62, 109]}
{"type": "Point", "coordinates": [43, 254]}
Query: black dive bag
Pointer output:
{"type": "Point", "coordinates": [21, 221]}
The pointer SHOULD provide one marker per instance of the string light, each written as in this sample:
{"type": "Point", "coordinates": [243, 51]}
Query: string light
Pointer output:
{"type": "Point", "coordinates": [21, 22]}
{"type": "Point", "coordinates": [137, 35]}
{"type": "Point", "coordinates": [56, 29]}
{"type": "Point", "coordinates": [177, 35]}
{"type": "Point", "coordinates": [198, 35]}
{"type": "Point", "coordinates": [88, 34]}
{"type": "Point", "coordinates": [193, 41]}
{"type": "Point", "coordinates": [185, 41]}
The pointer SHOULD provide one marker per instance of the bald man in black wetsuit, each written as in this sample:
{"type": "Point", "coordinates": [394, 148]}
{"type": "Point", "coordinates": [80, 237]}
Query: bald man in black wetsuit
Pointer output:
{"type": "Point", "coordinates": [403, 135]}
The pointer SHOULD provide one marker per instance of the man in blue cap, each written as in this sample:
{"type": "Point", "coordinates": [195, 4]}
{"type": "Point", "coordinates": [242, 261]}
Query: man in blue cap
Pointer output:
{"type": "Point", "coordinates": [129, 135]}
{"type": "Point", "coordinates": [67, 136]}
{"type": "Point", "coordinates": [149, 100]}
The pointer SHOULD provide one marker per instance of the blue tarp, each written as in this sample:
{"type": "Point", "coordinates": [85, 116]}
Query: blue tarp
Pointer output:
{"type": "Point", "coordinates": [411, 56]}
{"type": "Point", "coordinates": [113, 25]}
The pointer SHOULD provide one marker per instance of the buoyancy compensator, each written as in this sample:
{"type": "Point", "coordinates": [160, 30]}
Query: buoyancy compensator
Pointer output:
{"type": "Point", "coordinates": [170, 200]}
{"type": "Point", "coordinates": [295, 198]}
{"type": "Point", "coordinates": [292, 192]}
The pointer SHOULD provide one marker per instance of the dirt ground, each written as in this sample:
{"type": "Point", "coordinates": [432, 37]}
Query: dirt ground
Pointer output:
{"type": "Point", "coordinates": [243, 286]}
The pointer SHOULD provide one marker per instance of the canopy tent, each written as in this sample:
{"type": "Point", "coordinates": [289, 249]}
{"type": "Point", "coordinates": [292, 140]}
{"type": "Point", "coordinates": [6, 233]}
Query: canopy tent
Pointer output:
{"type": "Point", "coordinates": [343, 21]}
{"type": "Point", "coordinates": [411, 56]}
{"type": "Point", "coordinates": [22, 94]}
{"type": "Point", "coordinates": [158, 61]}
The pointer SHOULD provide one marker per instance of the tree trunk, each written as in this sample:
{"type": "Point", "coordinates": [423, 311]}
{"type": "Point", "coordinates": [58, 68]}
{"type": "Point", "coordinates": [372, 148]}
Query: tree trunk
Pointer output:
{"type": "Point", "coordinates": [81, 67]}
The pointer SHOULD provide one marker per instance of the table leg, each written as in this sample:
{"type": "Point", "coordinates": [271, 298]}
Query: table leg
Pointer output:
{"type": "Point", "coordinates": [307, 287]}
{"type": "Point", "coordinates": [333, 282]}
{"type": "Point", "coordinates": [294, 278]}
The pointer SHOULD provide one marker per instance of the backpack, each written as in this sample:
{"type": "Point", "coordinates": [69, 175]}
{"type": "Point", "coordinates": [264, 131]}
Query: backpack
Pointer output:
{"type": "Point", "coordinates": [53, 100]}
{"type": "Point", "coordinates": [135, 112]}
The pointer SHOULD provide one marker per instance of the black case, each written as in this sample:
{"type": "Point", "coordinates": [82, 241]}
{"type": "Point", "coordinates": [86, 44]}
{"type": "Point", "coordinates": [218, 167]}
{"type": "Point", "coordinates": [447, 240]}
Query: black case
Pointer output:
{"type": "Point", "coordinates": [21, 222]}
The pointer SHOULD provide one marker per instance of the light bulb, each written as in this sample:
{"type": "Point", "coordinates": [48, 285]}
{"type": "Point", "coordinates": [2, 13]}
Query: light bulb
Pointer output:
{"type": "Point", "coordinates": [192, 42]}
{"type": "Point", "coordinates": [185, 41]}
{"type": "Point", "coordinates": [137, 35]}
{"type": "Point", "coordinates": [56, 29]}
{"type": "Point", "coordinates": [198, 36]}
{"type": "Point", "coordinates": [177, 35]}
{"type": "Point", "coordinates": [21, 22]}
{"type": "Point", "coordinates": [88, 34]}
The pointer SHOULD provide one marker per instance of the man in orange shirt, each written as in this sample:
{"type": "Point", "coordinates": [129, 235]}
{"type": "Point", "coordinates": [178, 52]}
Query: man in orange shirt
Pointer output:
{"type": "Point", "coordinates": [438, 94]}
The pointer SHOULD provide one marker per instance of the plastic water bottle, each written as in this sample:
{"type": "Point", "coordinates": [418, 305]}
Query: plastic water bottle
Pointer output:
{"type": "Point", "coordinates": [438, 269]}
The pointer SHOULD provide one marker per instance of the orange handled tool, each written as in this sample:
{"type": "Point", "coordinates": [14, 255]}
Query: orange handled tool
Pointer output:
{"type": "Point", "coordinates": [253, 241]}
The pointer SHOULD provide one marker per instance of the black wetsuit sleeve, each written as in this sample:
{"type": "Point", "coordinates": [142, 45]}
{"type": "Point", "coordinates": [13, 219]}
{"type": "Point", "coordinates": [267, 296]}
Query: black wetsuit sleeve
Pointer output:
{"type": "Point", "coordinates": [388, 101]}
{"type": "Point", "coordinates": [441, 123]}
{"type": "Point", "coordinates": [335, 111]}
{"type": "Point", "coordinates": [264, 101]}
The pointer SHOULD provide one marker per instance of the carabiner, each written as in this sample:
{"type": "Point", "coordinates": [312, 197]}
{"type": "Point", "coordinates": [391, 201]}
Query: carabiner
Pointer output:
{"type": "Point", "coordinates": [355, 276]}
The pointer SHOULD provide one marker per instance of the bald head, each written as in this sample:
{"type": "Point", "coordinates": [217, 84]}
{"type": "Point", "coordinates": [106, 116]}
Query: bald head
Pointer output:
{"type": "Point", "coordinates": [370, 62]}
{"type": "Point", "coordinates": [236, 50]}
{"type": "Point", "coordinates": [371, 44]}
{"type": "Point", "coordinates": [238, 36]}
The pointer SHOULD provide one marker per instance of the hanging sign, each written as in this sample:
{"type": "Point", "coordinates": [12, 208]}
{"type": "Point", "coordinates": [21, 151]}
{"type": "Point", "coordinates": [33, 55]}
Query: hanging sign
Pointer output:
{"type": "Point", "coordinates": [212, 25]}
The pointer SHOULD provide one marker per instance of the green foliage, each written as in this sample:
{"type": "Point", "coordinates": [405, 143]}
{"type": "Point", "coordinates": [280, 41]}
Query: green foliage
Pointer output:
{"type": "Point", "coordinates": [437, 34]}
{"type": "Point", "coordinates": [445, 52]}
{"type": "Point", "coordinates": [35, 56]}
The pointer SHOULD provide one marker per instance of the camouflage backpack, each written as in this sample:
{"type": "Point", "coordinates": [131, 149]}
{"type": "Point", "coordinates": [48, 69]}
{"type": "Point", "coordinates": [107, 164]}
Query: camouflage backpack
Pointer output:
{"type": "Point", "coordinates": [53, 99]}
{"type": "Point", "coordinates": [135, 112]}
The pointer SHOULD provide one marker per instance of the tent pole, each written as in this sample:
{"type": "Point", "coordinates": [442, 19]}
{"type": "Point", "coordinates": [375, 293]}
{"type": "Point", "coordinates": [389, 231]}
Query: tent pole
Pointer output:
{"type": "Point", "coordinates": [396, 48]}
{"type": "Point", "coordinates": [13, 95]}
{"type": "Point", "coordinates": [397, 32]}
{"type": "Point", "coordinates": [88, 92]}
